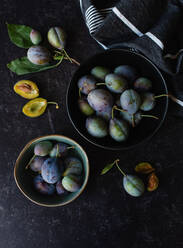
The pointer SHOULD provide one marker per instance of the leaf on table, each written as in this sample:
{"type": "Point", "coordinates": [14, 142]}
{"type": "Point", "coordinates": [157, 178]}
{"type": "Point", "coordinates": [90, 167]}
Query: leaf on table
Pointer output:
{"type": "Point", "coordinates": [22, 66]}
{"type": "Point", "coordinates": [20, 35]}
{"type": "Point", "coordinates": [107, 168]}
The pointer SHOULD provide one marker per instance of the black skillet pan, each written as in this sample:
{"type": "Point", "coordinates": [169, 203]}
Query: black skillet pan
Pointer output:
{"type": "Point", "coordinates": [112, 58]}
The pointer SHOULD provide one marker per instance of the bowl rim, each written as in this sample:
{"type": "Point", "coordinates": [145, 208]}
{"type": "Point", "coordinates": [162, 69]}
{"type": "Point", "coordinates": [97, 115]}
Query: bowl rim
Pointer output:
{"type": "Point", "coordinates": [47, 136]}
{"type": "Point", "coordinates": [158, 126]}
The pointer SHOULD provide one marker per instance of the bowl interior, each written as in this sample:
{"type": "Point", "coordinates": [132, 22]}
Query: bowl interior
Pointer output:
{"type": "Point", "coordinates": [111, 59]}
{"type": "Point", "coordinates": [24, 178]}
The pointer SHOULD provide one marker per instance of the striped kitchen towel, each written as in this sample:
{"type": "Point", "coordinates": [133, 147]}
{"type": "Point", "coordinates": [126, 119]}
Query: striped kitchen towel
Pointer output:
{"type": "Point", "coordinates": [154, 28]}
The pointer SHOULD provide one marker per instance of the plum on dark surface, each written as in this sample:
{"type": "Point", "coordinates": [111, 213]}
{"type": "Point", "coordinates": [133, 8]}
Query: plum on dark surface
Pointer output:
{"type": "Point", "coordinates": [142, 84]}
{"type": "Point", "coordinates": [100, 72]}
{"type": "Point", "coordinates": [115, 83]}
{"type": "Point", "coordinates": [57, 37]}
{"type": "Point", "coordinates": [43, 148]}
{"type": "Point", "coordinates": [73, 166]}
{"type": "Point", "coordinates": [86, 84]}
{"type": "Point", "coordinates": [38, 55]}
{"type": "Point", "coordinates": [51, 171]}
{"type": "Point", "coordinates": [100, 99]}
{"type": "Point", "coordinates": [42, 187]}
{"type": "Point", "coordinates": [71, 183]}
{"type": "Point", "coordinates": [85, 108]}
{"type": "Point", "coordinates": [96, 127]}
{"type": "Point", "coordinates": [130, 101]}
{"type": "Point", "coordinates": [118, 129]}
{"type": "Point", "coordinates": [37, 163]}
{"type": "Point", "coordinates": [127, 71]}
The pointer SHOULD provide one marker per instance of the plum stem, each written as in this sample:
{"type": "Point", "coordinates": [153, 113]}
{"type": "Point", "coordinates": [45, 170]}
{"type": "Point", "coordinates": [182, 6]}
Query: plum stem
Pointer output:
{"type": "Point", "coordinates": [57, 151]}
{"type": "Point", "coordinates": [161, 96]}
{"type": "Point", "coordinates": [57, 106]}
{"type": "Point", "coordinates": [69, 58]}
{"type": "Point", "coordinates": [80, 92]}
{"type": "Point", "coordinates": [150, 116]}
{"type": "Point", "coordinates": [101, 84]}
{"type": "Point", "coordinates": [116, 163]}
{"type": "Point", "coordinates": [30, 161]}
{"type": "Point", "coordinates": [71, 147]}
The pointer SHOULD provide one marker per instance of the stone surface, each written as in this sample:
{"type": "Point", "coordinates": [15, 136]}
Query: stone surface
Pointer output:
{"type": "Point", "coordinates": [104, 215]}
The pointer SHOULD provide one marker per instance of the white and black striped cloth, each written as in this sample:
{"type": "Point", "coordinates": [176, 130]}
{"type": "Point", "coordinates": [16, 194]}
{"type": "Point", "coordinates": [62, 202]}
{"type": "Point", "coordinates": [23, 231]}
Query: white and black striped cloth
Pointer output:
{"type": "Point", "coordinates": [152, 27]}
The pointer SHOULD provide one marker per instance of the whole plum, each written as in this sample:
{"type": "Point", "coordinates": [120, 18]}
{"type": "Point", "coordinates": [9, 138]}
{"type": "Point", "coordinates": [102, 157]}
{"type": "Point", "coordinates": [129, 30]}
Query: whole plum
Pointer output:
{"type": "Point", "coordinates": [60, 149]}
{"type": "Point", "coordinates": [71, 183]}
{"type": "Point", "coordinates": [130, 101]}
{"type": "Point", "coordinates": [51, 171]}
{"type": "Point", "coordinates": [85, 108]}
{"type": "Point", "coordinates": [37, 163]}
{"type": "Point", "coordinates": [73, 166]}
{"type": "Point", "coordinates": [86, 84]}
{"type": "Point", "coordinates": [133, 185]}
{"type": "Point", "coordinates": [96, 127]}
{"type": "Point", "coordinates": [100, 99]}
{"type": "Point", "coordinates": [43, 148]}
{"type": "Point", "coordinates": [118, 130]}
{"type": "Point", "coordinates": [143, 84]}
{"type": "Point", "coordinates": [115, 83]}
{"type": "Point", "coordinates": [60, 189]}
{"type": "Point", "coordinates": [38, 55]}
{"type": "Point", "coordinates": [132, 119]}
{"type": "Point", "coordinates": [42, 187]}
{"type": "Point", "coordinates": [57, 37]}
{"type": "Point", "coordinates": [106, 115]}
{"type": "Point", "coordinates": [100, 72]}
{"type": "Point", "coordinates": [126, 71]}
{"type": "Point", "coordinates": [35, 37]}
{"type": "Point", "coordinates": [148, 101]}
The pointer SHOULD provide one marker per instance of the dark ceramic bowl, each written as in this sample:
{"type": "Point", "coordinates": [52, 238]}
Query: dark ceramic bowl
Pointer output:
{"type": "Point", "coordinates": [24, 180]}
{"type": "Point", "coordinates": [112, 58]}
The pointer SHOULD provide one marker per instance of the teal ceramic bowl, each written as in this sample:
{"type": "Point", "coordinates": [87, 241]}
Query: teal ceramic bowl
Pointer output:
{"type": "Point", "coordinates": [24, 180]}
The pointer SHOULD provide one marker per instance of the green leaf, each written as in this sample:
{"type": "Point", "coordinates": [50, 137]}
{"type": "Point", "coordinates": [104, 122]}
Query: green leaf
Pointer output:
{"type": "Point", "coordinates": [107, 168]}
{"type": "Point", "coordinates": [22, 66]}
{"type": "Point", "coordinates": [20, 35]}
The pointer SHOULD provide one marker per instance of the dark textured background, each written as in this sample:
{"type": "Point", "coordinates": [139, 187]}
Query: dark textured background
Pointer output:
{"type": "Point", "coordinates": [104, 215]}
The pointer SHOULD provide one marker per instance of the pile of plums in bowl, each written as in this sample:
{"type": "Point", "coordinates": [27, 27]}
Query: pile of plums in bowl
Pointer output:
{"type": "Point", "coordinates": [114, 101]}
{"type": "Point", "coordinates": [56, 171]}
{"type": "Point", "coordinates": [52, 170]}
{"type": "Point", "coordinates": [112, 80]}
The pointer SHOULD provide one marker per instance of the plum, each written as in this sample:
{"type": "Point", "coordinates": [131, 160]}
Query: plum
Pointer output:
{"type": "Point", "coordinates": [106, 115]}
{"type": "Point", "coordinates": [115, 83]}
{"type": "Point", "coordinates": [100, 72]}
{"type": "Point", "coordinates": [38, 55]}
{"type": "Point", "coordinates": [60, 189]}
{"type": "Point", "coordinates": [85, 108]}
{"type": "Point", "coordinates": [118, 130]}
{"type": "Point", "coordinates": [42, 187]}
{"type": "Point", "coordinates": [148, 101]}
{"type": "Point", "coordinates": [86, 84]}
{"type": "Point", "coordinates": [130, 101]}
{"type": "Point", "coordinates": [100, 99]}
{"type": "Point", "coordinates": [35, 37]}
{"type": "Point", "coordinates": [43, 148]}
{"type": "Point", "coordinates": [96, 127]}
{"type": "Point", "coordinates": [126, 71]}
{"type": "Point", "coordinates": [37, 163]}
{"type": "Point", "coordinates": [57, 37]}
{"type": "Point", "coordinates": [60, 149]}
{"type": "Point", "coordinates": [142, 84]}
{"type": "Point", "coordinates": [71, 183]}
{"type": "Point", "coordinates": [51, 170]}
{"type": "Point", "coordinates": [73, 166]}
{"type": "Point", "coordinates": [133, 185]}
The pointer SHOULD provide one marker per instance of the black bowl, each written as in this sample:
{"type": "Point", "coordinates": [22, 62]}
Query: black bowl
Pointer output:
{"type": "Point", "coordinates": [112, 58]}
